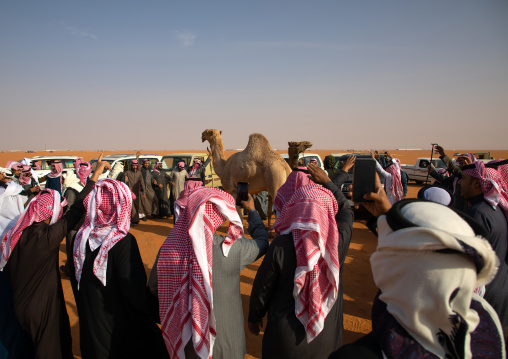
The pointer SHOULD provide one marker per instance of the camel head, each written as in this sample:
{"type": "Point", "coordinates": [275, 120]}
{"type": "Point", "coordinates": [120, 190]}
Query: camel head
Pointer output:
{"type": "Point", "coordinates": [208, 134]}
{"type": "Point", "coordinates": [298, 147]}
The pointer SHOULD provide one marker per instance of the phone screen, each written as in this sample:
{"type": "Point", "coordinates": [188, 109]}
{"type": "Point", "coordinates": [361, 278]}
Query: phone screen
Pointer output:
{"type": "Point", "coordinates": [364, 176]}
{"type": "Point", "coordinates": [242, 192]}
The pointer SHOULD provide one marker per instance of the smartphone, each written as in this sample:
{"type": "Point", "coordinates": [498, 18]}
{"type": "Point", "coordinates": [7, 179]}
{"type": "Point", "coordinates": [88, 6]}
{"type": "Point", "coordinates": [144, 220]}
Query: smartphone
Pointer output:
{"type": "Point", "coordinates": [436, 152]}
{"type": "Point", "coordinates": [242, 192]}
{"type": "Point", "coordinates": [364, 176]}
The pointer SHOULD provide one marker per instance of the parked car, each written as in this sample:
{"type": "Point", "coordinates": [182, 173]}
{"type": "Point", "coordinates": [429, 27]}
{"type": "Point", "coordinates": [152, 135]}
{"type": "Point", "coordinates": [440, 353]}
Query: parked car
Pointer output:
{"type": "Point", "coordinates": [45, 163]}
{"type": "Point", "coordinates": [306, 158]}
{"type": "Point", "coordinates": [418, 172]}
{"type": "Point", "coordinates": [211, 179]}
{"type": "Point", "coordinates": [124, 160]}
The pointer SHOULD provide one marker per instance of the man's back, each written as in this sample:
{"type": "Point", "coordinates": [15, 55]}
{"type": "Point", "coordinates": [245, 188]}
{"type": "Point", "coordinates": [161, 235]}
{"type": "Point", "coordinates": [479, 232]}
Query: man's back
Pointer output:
{"type": "Point", "coordinates": [495, 222]}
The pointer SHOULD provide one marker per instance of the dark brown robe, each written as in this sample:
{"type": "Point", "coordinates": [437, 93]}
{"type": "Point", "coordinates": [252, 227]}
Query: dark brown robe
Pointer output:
{"type": "Point", "coordinates": [37, 292]}
{"type": "Point", "coordinates": [134, 181]}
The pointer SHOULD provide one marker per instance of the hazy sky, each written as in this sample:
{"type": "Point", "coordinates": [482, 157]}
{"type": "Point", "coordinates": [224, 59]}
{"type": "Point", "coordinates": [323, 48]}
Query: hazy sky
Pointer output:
{"type": "Point", "coordinates": [342, 74]}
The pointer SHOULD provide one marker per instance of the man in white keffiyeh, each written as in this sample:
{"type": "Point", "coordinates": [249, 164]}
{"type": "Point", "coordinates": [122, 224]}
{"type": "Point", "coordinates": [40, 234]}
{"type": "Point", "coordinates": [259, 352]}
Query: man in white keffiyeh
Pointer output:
{"type": "Point", "coordinates": [427, 265]}
{"type": "Point", "coordinates": [198, 276]}
{"type": "Point", "coordinates": [109, 280]}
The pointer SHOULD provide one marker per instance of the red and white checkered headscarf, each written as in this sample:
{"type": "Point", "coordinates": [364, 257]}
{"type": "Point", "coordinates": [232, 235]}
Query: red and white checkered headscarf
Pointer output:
{"type": "Point", "coordinates": [77, 162]}
{"type": "Point", "coordinates": [156, 165]}
{"type": "Point", "coordinates": [295, 180]}
{"type": "Point", "coordinates": [503, 171]}
{"type": "Point", "coordinates": [58, 169]}
{"type": "Point", "coordinates": [13, 165]}
{"type": "Point", "coordinates": [181, 202]}
{"type": "Point", "coordinates": [46, 204]}
{"type": "Point", "coordinates": [107, 221]}
{"type": "Point", "coordinates": [491, 183]}
{"type": "Point", "coordinates": [83, 172]}
{"type": "Point", "coordinates": [396, 189]}
{"type": "Point", "coordinates": [23, 179]}
{"type": "Point", "coordinates": [184, 271]}
{"type": "Point", "coordinates": [310, 216]}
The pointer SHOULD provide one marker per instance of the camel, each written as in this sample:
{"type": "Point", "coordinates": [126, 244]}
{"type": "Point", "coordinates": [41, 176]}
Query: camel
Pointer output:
{"type": "Point", "coordinates": [294, 149]}
{"type": "Point", "coordinates": [258, 164]}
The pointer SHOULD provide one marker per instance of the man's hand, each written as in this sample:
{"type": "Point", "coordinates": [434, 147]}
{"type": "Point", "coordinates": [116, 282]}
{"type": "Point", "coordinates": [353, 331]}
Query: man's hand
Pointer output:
{"type": "Point", "coordinates": [209, 152]}
{"type": "Point", "coordinates": [99, 169]}
{"type": "Point", "coordinates": [317, 174]}
{"type": "Point", "coordinates": [464, 159]}
{"type": "Point", "coordinates": [379, 203]}
{"type": "Point", "coordinates": [430, 168]}
{"type": "Point", "coordinates": [2, 176]}
{"type": "Point", "coordinates": [440, 149]}
{"type": "Point", "coordinates": [100, 157]}
{"type": "Point", "coordinates": [248, 205]}
{"type": "Point", "coordinates": [35, 189]}
{"type": "Point", "coordinates": [254, 328]}
{"type": "Point", "coordinates": [138, 154]}
{"type": "Point", "coordinates": [160, 186]}
{"type": "Point", "coordinates": [350, 162]}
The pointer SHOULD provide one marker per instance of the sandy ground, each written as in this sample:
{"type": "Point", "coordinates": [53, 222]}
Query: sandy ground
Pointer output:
{"type": "Point", "coordinates": [359, 288]}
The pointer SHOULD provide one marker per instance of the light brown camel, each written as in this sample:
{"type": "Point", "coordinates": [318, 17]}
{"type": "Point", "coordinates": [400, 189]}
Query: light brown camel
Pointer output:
{"type": "Point", "coordinates": [294, 149]}
{"type": "Point", "coordinates": [258, 164]}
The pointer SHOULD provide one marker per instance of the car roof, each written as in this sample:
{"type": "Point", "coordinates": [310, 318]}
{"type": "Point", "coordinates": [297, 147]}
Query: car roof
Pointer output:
{"type": "Point", "coordinates": [300, 155]}
{"type": "Point", "coordinates": [38, 158]}
{"type": "Point", "coordinates": [128, 156]}
{"type": "Point", "coordinates": [339, 154]}
{"type": "Point", "coordinates": [186, 154]}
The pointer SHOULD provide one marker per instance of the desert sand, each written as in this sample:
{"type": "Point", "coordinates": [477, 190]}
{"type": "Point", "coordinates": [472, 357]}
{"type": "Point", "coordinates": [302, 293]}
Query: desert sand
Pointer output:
{"type": "Point", "coordinates": [359, 288]}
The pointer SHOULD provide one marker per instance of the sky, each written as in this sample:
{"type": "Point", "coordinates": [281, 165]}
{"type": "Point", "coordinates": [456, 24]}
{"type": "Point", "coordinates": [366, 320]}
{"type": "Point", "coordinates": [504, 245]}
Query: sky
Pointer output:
{"type": "Point", "coordinates": [363, 74]}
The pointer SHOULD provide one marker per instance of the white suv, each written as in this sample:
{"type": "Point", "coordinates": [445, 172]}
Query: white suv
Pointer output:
{"type": "Point", "coordinates": [45, 163]}
{"type": "Point", "coordinates": [122, 160]}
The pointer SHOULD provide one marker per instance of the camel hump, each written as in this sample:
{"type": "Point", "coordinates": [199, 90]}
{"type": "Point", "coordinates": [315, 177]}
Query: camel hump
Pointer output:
{"type": "Point", "coordinates": [258, 146]}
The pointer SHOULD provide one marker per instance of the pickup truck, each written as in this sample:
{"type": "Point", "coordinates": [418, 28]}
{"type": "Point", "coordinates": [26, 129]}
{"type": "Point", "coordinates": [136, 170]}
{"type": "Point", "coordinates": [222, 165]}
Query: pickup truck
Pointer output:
{"type": "Point", "coordinates": [418, 172]}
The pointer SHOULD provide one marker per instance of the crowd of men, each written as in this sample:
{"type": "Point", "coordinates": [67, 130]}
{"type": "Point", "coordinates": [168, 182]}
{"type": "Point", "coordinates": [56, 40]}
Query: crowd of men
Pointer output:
{"type": "Point", "coordinates": [441, 264]}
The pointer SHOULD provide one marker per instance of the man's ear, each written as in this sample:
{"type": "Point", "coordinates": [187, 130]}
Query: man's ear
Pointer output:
{"type": "Point", "coordinates": [477, 183]}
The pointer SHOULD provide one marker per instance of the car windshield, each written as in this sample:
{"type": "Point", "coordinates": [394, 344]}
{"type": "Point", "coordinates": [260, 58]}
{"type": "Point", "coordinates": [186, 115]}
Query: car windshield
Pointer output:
{"type": "Point", "coordinates": [168, 163]}
{"type": "Point", "coordinates": [46, 164]}
{"type": "Point", "coordinates": [438, 163]}
{"type": "Point", "coordinates": [306, 160]}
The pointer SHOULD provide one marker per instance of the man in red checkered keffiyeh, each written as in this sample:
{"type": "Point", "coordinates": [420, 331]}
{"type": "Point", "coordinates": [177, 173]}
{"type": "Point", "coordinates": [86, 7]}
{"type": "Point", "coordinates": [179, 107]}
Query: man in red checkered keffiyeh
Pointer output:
{"type": "Point", "coordinates": [44, 206]}
{"type": "Point", "coordinates": [190, 184]}
{"type": "Point", "coordinates": [107, 221]}
{"type": "Point", "coordinates": [481, 185]}
{"type": "Point", "coordinates": [110, 280]}
{"type": "Point", "coordinates": [185, 268]}
{"type": "Point", "coordinates": [310, 216]}
{"type": "Point", "coordinates": [30, 252]}
{"type": "Point", "coordinates": [491, 183]}
{"type": "Point", "coordinates": [198, 274]}
{"type": "Point", "coordinates": [298, 284]}
{"type": "Point", "coordinates": [83, 171]}
{"type": "Point", "coordinates": [296, 179]}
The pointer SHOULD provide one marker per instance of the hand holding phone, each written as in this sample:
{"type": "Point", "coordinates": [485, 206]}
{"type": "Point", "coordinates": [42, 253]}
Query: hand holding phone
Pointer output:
{"type": "Point", "coordinates": [242, 192]}
{"type": "Point", "coordinates": [364, 176]}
